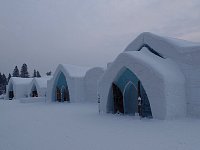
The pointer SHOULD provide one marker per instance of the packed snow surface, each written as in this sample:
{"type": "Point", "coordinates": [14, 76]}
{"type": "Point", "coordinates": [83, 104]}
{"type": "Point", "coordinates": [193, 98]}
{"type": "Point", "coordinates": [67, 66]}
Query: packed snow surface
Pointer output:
{"type": "Point", "coordinates": [78, 126]}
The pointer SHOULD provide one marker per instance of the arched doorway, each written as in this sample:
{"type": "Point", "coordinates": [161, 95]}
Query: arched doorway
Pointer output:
{"type": "Point", "coordinates": [58, 94]}
{"type": "Point", "coordinates": [64, 94]}
{"type": "Point", "coordinates": [129, 96]}
{"type": "Point", "coordinates": [11, 92]}
{"type": "Point", "coordinates": [61, 91]}
{"type": "Point", "coordinates": [118, 99]}
{"type": "Point", "coordinates": [34, 91]}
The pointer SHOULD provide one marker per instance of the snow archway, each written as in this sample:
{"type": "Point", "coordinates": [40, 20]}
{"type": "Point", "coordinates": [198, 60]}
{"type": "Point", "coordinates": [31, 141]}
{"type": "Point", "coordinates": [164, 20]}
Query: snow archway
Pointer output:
{"type": "Point", "coordinates": [11, 92]}
{"type": "Point", "coordinates": [162, 80]}
{"type": "Point", "coordinates": [130, 86]}
{"type": "Point", "coordinates": [130, 95]}
{"type": "Point", "coordinates": [81, 83]}
{"type": "Point", "coordinates": [18, 88]}
{"type": "Point", "coordinates": [34, 91]}
{"type": "Point", "coordinates": [61, 92]}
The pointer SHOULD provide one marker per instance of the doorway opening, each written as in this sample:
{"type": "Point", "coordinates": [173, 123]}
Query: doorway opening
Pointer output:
{"type": "Point", "coordinates": [128, 95]}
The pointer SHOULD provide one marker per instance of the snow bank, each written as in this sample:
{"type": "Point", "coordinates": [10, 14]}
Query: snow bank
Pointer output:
{"type": "Point", "coordinates": [32, 99]}
{"type": "Point", "coordinates": [2, 96]}
{"type": "Point", "coordinates": [78, 126]}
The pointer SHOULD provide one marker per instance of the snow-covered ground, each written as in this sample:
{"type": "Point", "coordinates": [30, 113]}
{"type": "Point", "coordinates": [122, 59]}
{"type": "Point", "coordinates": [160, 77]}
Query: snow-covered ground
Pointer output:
{"type": "Point", "coordinates": [78, 126]}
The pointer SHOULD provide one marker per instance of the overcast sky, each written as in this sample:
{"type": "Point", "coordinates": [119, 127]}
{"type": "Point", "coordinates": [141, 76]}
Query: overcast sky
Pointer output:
{"type": "Point", "coordinates": [45, 33]}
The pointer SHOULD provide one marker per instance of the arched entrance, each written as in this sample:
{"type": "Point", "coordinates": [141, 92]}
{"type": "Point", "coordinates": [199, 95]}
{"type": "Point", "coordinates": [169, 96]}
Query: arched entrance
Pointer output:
{"type": "Point", "coordinates": [118, 99]}
{"type": "Point", "coordinates": [62, 92]}
{"type": "Point", "coordinates": [129, 96]}
{"type": "Point", "coordinates": [11, 92]}
{"type": "Point", "coordinates": [58, 94]}
{"type": "Point", "coordinates": [34, 92]}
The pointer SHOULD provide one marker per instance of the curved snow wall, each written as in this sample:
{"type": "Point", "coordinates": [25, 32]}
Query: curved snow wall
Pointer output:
{"type": "Point", "coordinates": [162, 80]}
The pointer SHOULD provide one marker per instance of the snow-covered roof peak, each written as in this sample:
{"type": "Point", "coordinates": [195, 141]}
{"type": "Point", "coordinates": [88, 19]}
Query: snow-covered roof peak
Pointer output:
{"type": "Point", "coordinates": [42, 81]}
{"type": "Point", "coordinates": [18, 80]}
{"type": "Point", "coordinates": [75, 71]}
{"type": "Point", "coordinates": [162, 44]}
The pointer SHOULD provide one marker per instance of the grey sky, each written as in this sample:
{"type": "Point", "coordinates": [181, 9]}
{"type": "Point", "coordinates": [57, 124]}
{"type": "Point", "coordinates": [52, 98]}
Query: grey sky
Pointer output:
{"type": "Point", "coordinates": [44, 33]}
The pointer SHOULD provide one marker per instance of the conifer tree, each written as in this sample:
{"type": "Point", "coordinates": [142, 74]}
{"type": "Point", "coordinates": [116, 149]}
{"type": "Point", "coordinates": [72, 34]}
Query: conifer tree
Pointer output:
{"type": "Point", "coordinates": [4, 79]}
{"type": "Point", "coordinates": [15, 72]}
{"type": "Point", "coordinates": [0, 78]}
{"type": "Point", "coordinates": [9, 76]}
{"type": "Point", "coordinates": [1, 85]}
{"type": "Point", "coordinates": [34, 73]}
{"type": "Point", "coordinates": [38, 74]}
{"type": "Point", "coordinates": [24, 71]}
{"type": "Point", "coordinates": [4, 82]}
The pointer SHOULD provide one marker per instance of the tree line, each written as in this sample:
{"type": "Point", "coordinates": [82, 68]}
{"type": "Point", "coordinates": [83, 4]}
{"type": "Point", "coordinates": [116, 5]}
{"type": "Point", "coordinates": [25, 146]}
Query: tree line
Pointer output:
{"type": "Point", "coordinates": [23, 73]}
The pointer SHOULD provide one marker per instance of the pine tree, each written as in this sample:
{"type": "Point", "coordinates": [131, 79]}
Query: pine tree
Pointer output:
{"type": "Point", "coordinates": [38, 74]}
{"type": "Point", "coordinates": [4, 82]}
{"type": "Point", "coordinates": [24, 71]}
{"type": "Point", "coordinates": [4, 79]}
{"type": "Point", "coordinates": [15, 72]}
{"type": "Point", "coordinates": [9, 76]}
{"type": "Point", "coordinates": [0, 78]}
{"type": "Point", "coordinates": [48, 73]}
{"type": "Point", "coordinates": [1, 85]}
{"type": "Point", "coordinates": [34, 73]}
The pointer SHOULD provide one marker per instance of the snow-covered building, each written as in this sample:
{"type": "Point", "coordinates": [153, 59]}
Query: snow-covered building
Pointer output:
{"type": "Point", "coordinates": [38, 87]}
{"type": "Point", "coordinates": [69, 83]}
{"type": "Point", "coordinates": [17, 88]}
{"type": "Point", "coordinates": [91, 79]}
{"type": "Point", "coordinates": [155, 77]}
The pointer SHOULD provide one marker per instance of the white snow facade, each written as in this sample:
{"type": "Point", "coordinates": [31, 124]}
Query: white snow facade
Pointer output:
{"type": "Point", "coordinates": [154, 77]}
{"type": "Point", "coordinates": [91, 79]}
{"type": "Point", "coordinates": [73, 83]}
{"type": "Point", "coordinates": [17, 88]}
{"type": "Point", "coordinates": [38, 87]}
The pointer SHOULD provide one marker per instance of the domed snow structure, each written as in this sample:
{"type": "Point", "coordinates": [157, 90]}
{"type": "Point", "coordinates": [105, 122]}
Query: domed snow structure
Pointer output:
{"type": "Point", "coordinates": [38, 87]}
{"type": "Point", "coordinates": [70, 83]}
{"type": "Point", "coordinates": [17, 88]}
{"type": "Point", "coordinates": [154, 77]}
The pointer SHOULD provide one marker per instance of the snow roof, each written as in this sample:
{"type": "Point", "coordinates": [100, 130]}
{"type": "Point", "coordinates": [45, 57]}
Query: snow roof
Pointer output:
{"type": "Point", "coordinates": [161, 65]}
{"type": "Point", "coordinates": [21, 81]}
{"type": "Point", "coordinates": [164, 45]}
{"type": "Point", "coordinates": [42, 81]}
{"type": "Point", "coordinates": [75, 71]}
